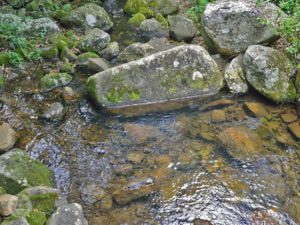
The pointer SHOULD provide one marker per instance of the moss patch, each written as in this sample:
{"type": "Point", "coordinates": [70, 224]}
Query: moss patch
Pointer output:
{"type": "Point", "coordinates": [138, 6]}
{"type": "Point", "coordinates": [36, 218]}
{"type": "Point", "coordinates": [137, 19]}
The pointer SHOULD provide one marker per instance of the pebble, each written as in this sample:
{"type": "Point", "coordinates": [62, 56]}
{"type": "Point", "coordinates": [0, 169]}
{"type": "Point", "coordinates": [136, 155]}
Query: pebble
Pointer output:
{"type": "Point", "coordinates": [8, 204]}
{"type": "Point", "coordinates": [7, 137]}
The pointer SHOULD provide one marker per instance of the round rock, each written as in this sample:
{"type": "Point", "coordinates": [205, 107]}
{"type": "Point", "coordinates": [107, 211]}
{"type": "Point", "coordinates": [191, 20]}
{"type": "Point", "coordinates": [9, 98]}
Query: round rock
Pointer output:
{"type": "Point", "coordinates": [7, 137]}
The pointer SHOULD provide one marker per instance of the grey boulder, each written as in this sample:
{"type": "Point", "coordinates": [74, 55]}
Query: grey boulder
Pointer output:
{"type": "Point", "coordinates": [270, 71]}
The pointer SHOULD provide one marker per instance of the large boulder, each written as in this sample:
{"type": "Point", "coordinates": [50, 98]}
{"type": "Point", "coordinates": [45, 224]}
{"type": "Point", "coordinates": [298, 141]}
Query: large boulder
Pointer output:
{"type": "Point", "coordinates": [269, 71]}
{"type": "Point", "coordinates": [232, 26]}
{"type": "Point", "coordinates": [19, 171]}
{"type": "Point", "coordinates": [178, 74]}
{"type": "Point", "coordinates": [90, 16]}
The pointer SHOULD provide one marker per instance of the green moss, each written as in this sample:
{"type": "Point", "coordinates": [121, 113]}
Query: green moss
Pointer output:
{"type": "Point", "coordinates": [36, 218]}
{"type": "Point", "coordinates": [44, 202]}
{"type": "Point", "coordinates": [1, 86]}
{"type": "Point", "coordinates": [49, 53]}
{"type": "Point", "coordinates": [53, 80]}
{"type": "Point", "coordinates": [136, 19]}
{"type": "Point", "coordinates": [4, 58]}
{"type": "Point", "coordinates": [162, 20]}
{"type": "Point", "coordinates": [61, 41]}
{"type": "Point", "coordinates": [138, 6]}
{"type": "Point", "coordinates": [91, 85]}
{"type": "Point", "coordinates": [2, 190]}
{"type": "Point", "coordinates": [87, 55]}
{"type": "Point", "coordinates": [67, 68]}
{"type": "Point", "coordinates": [134, 95]}
{"type": "Point", "coordinates": [18, 171]}
{"type": "Point", "coordinates": [116, 95]}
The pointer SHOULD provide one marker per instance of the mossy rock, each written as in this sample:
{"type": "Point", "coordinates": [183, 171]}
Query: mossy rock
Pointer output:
{"type": "Point", "coordinates": [159, 17]}
{"type": "Point", "coordinates": [15, 221]}
{"type": "Point", "coordinates": [19, 171]}
{"type": "Point", "coordinates": [1, 85]}
{"type": "Point", "coordinates": [50, 53]}
{"type": "Point", "coordinates": [138, 6]}
{"type": "Point", "coordinates": [68, 54]}
{"type": "Point", "coordinates": [136, 19]}
{"type": "Point", "coordinates": [61, 41]}
{"type": "Point", "coordinates": [36, 218]}
{"type": "Point", "coordinates": [2, 190]}
{"type": "Point", "coordinates": [87, 55]}
{"type": "Point", "coordinates": [4, 58]}
{"type": "Point", "coordinates": [43, 199]}
{"type": "Point", "coordinates": [67, 68]}
{"type": "Point", "coordinates": [53, 80]}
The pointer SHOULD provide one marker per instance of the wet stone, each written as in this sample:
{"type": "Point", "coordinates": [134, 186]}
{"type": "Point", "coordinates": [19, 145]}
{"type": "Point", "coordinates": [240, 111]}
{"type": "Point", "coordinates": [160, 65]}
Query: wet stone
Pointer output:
{"type": "Point", "coordinates": [7, 137]}
{"type": "Point", "coordinates": [124, 170]}
{"type": "Point", "coordinates": [91, 193]}
{"type": "Point", "coordinates": [69, 94]}
{"type": "Point", "coordinates": [220, 103]}
{"type": "Point", "coordinates": [53, 111]}
{"type": "Point", "coordinates": [140, 133]}
{"type": "Point", "coordinates": [8, 204]}
{"type": "Point", "coordinates": [135, 157]}
{"type": "Point", "coordinates": [218, 116]}
{"type": "Point", "coordinates": [68, 214]}
{"type": "Point", "coordinates": [289, 117]}
{"type": "Point", "coordinates": [256, 109]}
{"type": "Point", "coordinates": [294, 128]}
{"type": "Point", "coordinates": [241, 142]}
{"type": "Point", "coordinates": [134, 191]}
{"type": "Point", "coordinates": [106, 203]}
{"type": "Point", "coordinates": [201, 222]}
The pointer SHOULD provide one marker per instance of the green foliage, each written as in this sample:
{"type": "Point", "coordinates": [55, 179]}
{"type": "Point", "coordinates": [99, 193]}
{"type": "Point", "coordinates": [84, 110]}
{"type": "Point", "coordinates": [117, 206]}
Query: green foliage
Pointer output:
{"type": "Point", "coordinates": [288, 26]}
{"type": "Point", "coordinates": [197, 9]}
{"type": "Point", "coordinates": [15, 58]}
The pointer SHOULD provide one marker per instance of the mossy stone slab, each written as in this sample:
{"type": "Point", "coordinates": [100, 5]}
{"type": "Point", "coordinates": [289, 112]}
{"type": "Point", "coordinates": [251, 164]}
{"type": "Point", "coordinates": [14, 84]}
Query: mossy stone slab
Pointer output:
{"type": "Point", "coordinates": [178, 74]}
{"type": "Point", "coordinates": [19, 171]}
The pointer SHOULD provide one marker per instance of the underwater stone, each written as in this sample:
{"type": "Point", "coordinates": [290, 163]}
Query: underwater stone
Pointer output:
{"type": "Point", "coordinates": [176, 75]}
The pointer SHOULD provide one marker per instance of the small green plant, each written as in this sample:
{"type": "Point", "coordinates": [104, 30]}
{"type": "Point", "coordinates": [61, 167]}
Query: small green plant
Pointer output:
{"type": "Point", "coordinates": [288, 26]}
{"type": "Point", "coordinates": [15, 58]}
{"type": "Point", "coordinates": [197, 10]}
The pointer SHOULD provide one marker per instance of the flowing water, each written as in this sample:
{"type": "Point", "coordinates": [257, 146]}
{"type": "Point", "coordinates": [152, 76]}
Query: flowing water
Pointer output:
{"type": "Point", "coordinates": [172, 165]}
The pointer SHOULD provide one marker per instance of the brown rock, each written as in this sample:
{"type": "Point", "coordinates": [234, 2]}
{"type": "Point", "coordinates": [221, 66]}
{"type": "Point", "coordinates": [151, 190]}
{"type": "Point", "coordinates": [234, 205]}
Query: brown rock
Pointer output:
{"type": "Point", "coordinates": [241, 142]}
{"type": "Point", "coordinates": [7, 137]}
{"type": "Point", "coordinates": [141, 133]}
{"type": "Point", "coordinates": [289, 117]}
{"type": "Point", "coordinates": [256, 109]}
{"type": "Point", "coordinates": [221, 103]}
{"type": "Point", "coordinates": [124, 170]}
{"type": "Point", "coordinates": [294, 128]}
{"type": "Point", "coordinates": [8, 204]}
{"type": "Point", "coordinates": [135, 157]}
{"type": "Point", "coordinates": [218, 115]}
{"type": "Point", "coordinates": [134, 191]}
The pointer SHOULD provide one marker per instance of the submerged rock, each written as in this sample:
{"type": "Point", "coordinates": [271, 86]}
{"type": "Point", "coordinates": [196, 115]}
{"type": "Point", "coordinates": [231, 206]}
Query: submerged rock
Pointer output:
{"type": "Point", "coordinates": [53, 111]}
{"type": "Point", "coordinates": [176, 75]}
{"type": "Point", "coordinates": [134, 191]}
{"type": "Point", "coordinates": [90, 16]}
{"type": "Point", "coordinates": [256, 109]}
{"type": "Point", "coordinates": [232, 26]}
{"type": "Point", "coordinates": [241, 142]}
{"type": "Point", "coordinates": [7, 137]}
{"type": "Point", "coordinates": [269, 72]}
{"type": "Point", "coordinates": [70, 214]}
{"type": "Point", "coordinates": [235, 77]}
{"type": "Point", "coordinates": [19, 171]}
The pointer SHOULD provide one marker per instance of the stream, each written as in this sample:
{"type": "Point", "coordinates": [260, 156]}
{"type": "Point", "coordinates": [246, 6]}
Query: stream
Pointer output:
{"type": "Point", "coordinates": [173, 165]}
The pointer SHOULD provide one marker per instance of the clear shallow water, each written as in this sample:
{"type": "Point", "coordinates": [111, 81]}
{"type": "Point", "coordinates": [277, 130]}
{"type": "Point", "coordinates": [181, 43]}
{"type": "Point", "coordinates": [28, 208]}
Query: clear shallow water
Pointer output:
{"type": "Point", "coordinates": [194, 176]}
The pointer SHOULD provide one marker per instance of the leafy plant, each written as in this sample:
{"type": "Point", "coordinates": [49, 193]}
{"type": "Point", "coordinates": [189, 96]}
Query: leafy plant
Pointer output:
{"type": "Point", "coordinates": [15, 58]}
{"type": "Point", "coordinates": [289, 26]}
{"type": "Point", "coordinates": [197, 10]}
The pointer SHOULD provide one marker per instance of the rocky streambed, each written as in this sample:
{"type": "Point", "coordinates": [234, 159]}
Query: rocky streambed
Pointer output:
{"type": "Point", "coordinates": [133, 119]}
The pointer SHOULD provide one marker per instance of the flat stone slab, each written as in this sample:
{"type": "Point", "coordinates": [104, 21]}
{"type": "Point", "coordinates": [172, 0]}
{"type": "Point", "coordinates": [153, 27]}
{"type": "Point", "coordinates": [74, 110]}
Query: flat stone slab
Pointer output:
{"type": "Point", "coordinates": [159, 82]}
